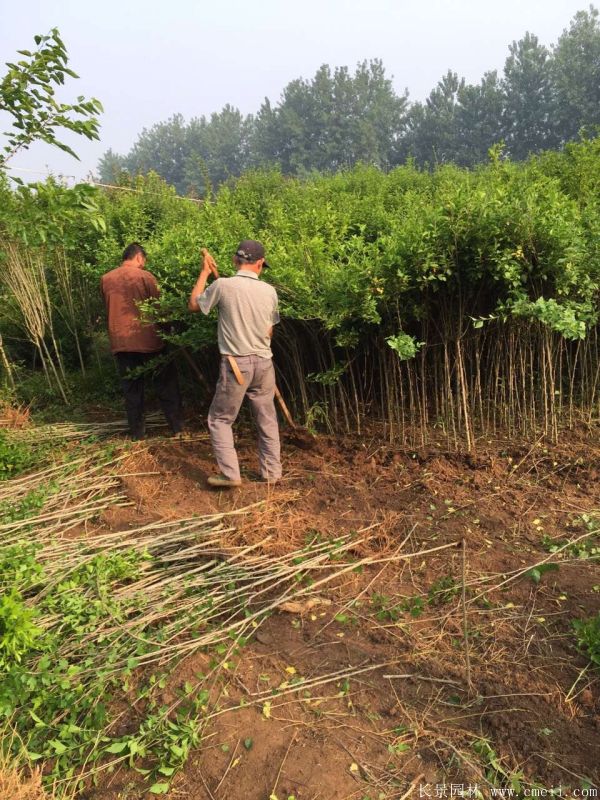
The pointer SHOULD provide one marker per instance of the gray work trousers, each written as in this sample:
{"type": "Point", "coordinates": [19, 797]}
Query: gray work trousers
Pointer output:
{"type": "Point", "coordinates": [259, 386]}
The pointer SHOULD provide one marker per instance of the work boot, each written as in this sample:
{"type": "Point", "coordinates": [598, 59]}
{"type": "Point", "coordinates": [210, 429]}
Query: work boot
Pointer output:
{"type": "Point", "coordinates": [221, 482]}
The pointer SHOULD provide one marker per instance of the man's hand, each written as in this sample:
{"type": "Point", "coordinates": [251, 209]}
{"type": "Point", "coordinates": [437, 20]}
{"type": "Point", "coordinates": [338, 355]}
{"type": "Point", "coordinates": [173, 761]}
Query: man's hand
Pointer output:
{"type": "Point", "coordinates": [209, 268]}
{"type": "Point", "coordinates": [209, 265]}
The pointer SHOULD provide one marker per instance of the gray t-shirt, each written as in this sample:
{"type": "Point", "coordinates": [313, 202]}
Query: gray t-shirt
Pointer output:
{"type": "Point", "coordinates": [248, 308]}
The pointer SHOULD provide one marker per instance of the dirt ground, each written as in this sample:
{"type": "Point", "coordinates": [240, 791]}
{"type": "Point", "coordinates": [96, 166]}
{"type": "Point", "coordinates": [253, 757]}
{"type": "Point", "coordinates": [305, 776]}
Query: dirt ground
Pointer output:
{"type": "Point", "coordinates": [514, 704]}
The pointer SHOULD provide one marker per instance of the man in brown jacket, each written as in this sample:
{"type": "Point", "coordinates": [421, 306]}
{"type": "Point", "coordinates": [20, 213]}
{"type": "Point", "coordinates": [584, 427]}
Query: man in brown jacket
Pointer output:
{"type": "Point", "coordinates": [134, 343]}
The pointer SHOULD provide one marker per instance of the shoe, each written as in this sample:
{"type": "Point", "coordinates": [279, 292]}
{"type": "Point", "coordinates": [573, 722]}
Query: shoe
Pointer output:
{"type": "Point", "coordinates": [221, 482]}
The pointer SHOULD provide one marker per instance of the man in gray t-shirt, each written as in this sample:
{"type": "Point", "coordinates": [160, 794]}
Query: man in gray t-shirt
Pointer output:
{"type": "Point", "coordinates": [248, 309]}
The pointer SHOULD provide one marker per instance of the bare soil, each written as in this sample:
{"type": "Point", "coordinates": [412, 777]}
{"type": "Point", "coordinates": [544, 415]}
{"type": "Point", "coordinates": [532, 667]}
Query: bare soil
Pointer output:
{"type": "Point", "coordinates": [528, 708]}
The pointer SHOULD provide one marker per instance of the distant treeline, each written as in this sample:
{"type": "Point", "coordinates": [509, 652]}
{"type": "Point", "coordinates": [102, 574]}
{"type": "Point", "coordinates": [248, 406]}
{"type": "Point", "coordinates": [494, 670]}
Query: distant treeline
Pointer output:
{"type": "Point", "coordinates": [543, 98]}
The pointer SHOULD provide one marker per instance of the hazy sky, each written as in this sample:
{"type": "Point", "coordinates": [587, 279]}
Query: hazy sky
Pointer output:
{"type": "Point", "coordinates": [148, 59]}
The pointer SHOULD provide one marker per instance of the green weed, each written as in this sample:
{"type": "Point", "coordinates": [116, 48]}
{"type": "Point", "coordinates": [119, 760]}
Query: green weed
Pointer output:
{"type": "Point", "coordinates": [15, 457]}
{"type": "Point", "coordinates": [18, 632]}
{"type": "Point", "coordinates": [535, 574]}
{"type": "Point", "coordinates": [495, 771]}
{"type": "Point", "coordinates": [588, 548]}
{"type": "Point", "coordinates": [442, 591]}
{"type": "Point", "coordinates": [588, 637]}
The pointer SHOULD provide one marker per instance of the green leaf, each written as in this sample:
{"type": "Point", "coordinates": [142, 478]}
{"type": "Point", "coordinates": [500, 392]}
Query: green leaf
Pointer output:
{"type": "Point", "coordinates": [159, 788]}
{"type": "Point", "coordinates": [536, 572]}
{"type": "Point", "coordinates": [117, 747]}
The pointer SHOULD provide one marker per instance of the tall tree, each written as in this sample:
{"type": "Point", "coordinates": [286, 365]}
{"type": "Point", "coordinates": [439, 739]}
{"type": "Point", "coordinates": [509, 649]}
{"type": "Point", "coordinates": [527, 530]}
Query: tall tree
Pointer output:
{"type": "Point", "coordinates": [529, 98]}
{"type": "Point", "coordinates": [110, 166]}
{"type": "Point", "coordinates": [191, 157]}
{"type": "Point", "coordinates": [164, 149]}
{"type": "Point", "coordinates": [432, 132]}
{"type": "Point", "coordinates": [332, 121]}
{"type": "Point", "coordinates": [218, 148]}
{"type": "Point", "coordinates": [478, 116]}
{"type": "Point", "coordinates": [577, 74]}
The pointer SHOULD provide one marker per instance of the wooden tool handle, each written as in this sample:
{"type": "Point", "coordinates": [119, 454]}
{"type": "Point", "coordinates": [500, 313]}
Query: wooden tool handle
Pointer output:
{"type": "Point", "coordinates": [236, 370]}
{"type": "Point", "coordinates": [211, 262]}
{"type": "Point", "coordinates": [284, 408]}
{"type": "Point", "coordinates": [194, 367]}
{"type": "Point", "coordinates": [240, 379]}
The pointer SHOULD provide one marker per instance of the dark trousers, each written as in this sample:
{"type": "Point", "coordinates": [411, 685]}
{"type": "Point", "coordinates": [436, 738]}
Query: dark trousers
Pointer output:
{"type": "Point", "coordinates": [164, 380]}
